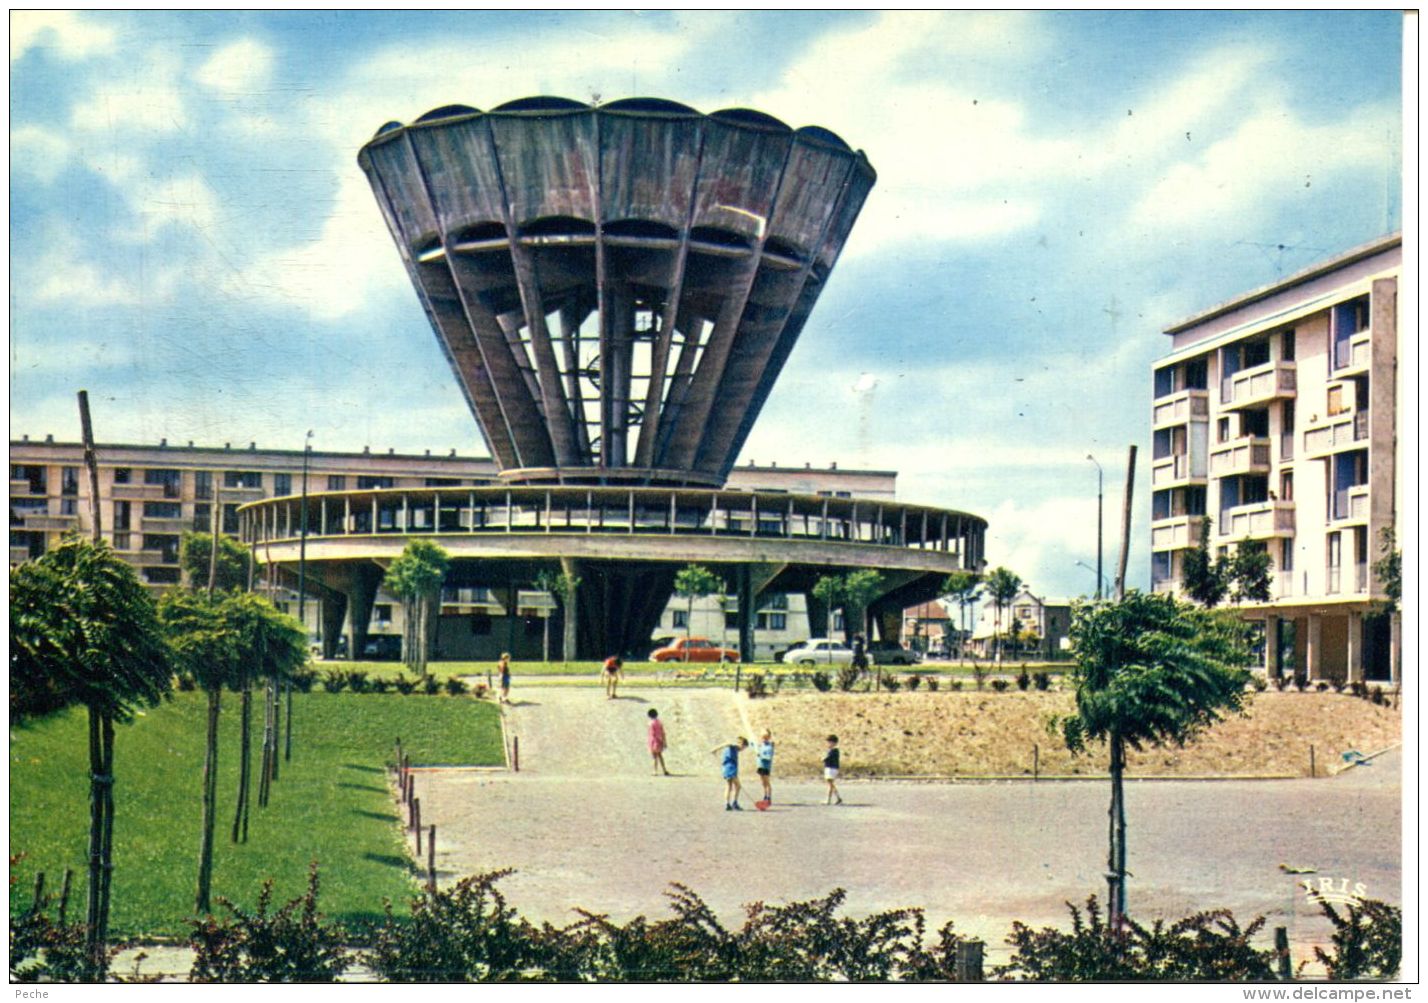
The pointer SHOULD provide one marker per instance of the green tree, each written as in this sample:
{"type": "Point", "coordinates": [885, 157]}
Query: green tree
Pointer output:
{"type": "Point", "coordinates": [1202, 577]}
{"type": "Point", "coordinates": [829, 590]}
{"type": "Point", "coordinates": [196, 554]}
{"type": "Point", "coordinates": [963, 588]}
{"type": "Point", "coordinates": [694, 581]}
{"type": "Point", "coordinates": [1149, 670]}
{"type": "Point", "coordinates": [1248, 572]}
{"type": "Point", "coordinates": [416, 578]}
{"type": "Point", "coordinates": [83, 631]}
{"type": "Point", "coordinates": [859, 590]}
{"type": "Point", "coordinates": [1002, 587]}
{"type": "Point", "coordinates": [1388, 569]}
{"type": "Point", "coordinates": [207, 643]}
{"type": "Point", "coordinates": [272, 647]}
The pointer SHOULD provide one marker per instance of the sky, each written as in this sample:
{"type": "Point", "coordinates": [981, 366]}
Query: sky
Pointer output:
{"type": "Point", "coordinates": [193, 242]}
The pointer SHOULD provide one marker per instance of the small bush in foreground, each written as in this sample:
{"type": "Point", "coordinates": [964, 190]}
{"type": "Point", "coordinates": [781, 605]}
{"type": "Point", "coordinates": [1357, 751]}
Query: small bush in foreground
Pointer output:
{"type": "Point", "coordinates": [755, 687]}
{"type": "Point", "coordinates": [292, 944]}
{"type": "Point", "coordinates": [847, 677]}
{"type": "Point", "coordinates": [932, 684]}
{"type": "Point", "coordinates": [1367, 941]}
{"type": "Point", "coordinates": [1000, 685]}
{"type": "Point", "coordinates": [1042, 680]}
{"type": "Point", "coordinates": [404, 685]}
{"type": "Point", "coordinates": [455, 686]}
{"type": "Point", "coordinates": [334, 680]}
{"type": "Point", "coordinates": [891, 683]}
{"type": "Point", "coordinates": [822, 682]}
{"type": "Point", "coordinates": [430, 685]}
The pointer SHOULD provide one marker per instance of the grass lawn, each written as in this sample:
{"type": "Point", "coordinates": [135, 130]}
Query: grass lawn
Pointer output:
{"type": "Point", "coordinates": [330, 804]}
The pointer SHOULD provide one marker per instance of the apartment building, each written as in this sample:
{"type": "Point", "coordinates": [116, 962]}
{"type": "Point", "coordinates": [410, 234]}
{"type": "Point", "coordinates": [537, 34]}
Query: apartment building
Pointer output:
{"type": "Point", "coordinates": [150, 495]}
{"type": "Point", "coordinates": [1275, 415]}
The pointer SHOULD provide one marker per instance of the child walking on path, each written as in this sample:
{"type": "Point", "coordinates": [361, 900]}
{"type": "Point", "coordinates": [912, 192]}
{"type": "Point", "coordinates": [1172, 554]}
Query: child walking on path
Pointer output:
{"type": "Point", "coordinates": [613, 665]}
{"type": "Point", "coordinates": [766, 754]}
{"type": "Point", "coordinates": [657, 742]}
{"type": "Point", "coordinates": [830, 771]}
{"type": "Point", "coordinates": [731, 771]}
{"type": "Point", "coordinates": [505, 666]}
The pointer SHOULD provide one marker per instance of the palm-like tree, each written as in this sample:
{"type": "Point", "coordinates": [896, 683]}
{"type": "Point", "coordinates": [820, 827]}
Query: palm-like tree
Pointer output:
{"type": "Point", "coordinates": [83, 631]}
{"type": "Point", "coordinates": [962, 588]}
{"type": "Point", "coordinates": [1150, 669]}
{"type": "Point", "coordinates": [416, 578]}
{"type": "Point", "coordinates": [1002, 588]}
{"type": "Point", "coordinates": [207, 644]}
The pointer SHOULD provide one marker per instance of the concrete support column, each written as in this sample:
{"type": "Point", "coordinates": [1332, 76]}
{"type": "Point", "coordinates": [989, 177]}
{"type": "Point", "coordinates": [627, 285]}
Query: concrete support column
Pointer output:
{"type": "Point", "coordinates": [747, 614]}
{"type": "Point", "coordinates": [1395, 648]}
{"type": "Point", "coordinates": [361, 594]}
{"type": "Point", "coordinates": [568, 648]}
{"type": "Point", "coordinates": [1314, 648]}
{"type": "Point", "coordinates": [1272, 668]}
{"type": "Point", "coordinates": [817, 616]}
{"type": "Point", "coordinates": [1354, 662]}
{"type": "Point", "coordinates": [334, 611]}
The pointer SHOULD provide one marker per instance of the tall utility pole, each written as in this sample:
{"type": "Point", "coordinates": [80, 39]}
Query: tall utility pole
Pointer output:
{"type": "Point", "coordinates": [302, 593]}
{"type": "Point", "coordinates": [1100, 495]}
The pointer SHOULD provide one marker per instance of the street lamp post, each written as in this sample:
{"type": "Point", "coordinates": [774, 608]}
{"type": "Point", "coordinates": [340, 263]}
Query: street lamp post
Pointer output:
{"type": "Point", "coordinates": [1100, 579]}
{"type": "Point", "coordinates": [302, 590]}
{"type": "Point", "coordinates": [1099, 503]}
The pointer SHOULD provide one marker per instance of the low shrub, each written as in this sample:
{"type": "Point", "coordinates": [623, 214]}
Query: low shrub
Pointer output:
{"type": "Point", "coordinates": [1023, 681]}
{"type": "Point", "coordinates": [891, 683]}
{"type": "Point", "coordinates": [357, 681]}
{"type": "Point", "coordinates": [1042, 680]}
{"type": "Point", "coordinates": [1000, 685]}
{"type": "Point", "coordinates": [1367, 942]}
{"type": "Point", "coordinates": [847, 678]}
{"type": "Point", "coordinates": [1322, 686]}
{"type": "Point", "coordinates": [379, 684]}
{"type": "Point", "coordinates": [932, 684]}
{"type": "Point", "coordinates": [292, 944]}
{"type": "Point", "coordinates": [979, 673]}
{"type": "Point", "coordinates": [334, 680]}
{"type": "Point", "coordinates": [1377, 697]}
{"type": "Point", "coordinates": [912, 682]}
{"type": "Point", "coordinates": [430, 685]}
{"type": "Point", "coordinates": [1260, 683]}
{"type": "Point", "coordinates": [304, 679]}
{"type": "Point", "coordinates": [954, 684]}
{"type": "Point", "coordinates": [755, 687]}
{"type": "Point", "coordinates": [480, 690]}
{"type": "Point", "coordinates": [455, 686]}
{"type": "Point", "coordinates": [822, 682]}
{"type": "Point", "coordinates": [404, 684]}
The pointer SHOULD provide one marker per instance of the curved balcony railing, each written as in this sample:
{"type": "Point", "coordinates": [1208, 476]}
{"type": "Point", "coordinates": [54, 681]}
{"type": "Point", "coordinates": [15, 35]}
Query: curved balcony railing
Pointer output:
{"type": "Point", "coordinates": [607, 510]}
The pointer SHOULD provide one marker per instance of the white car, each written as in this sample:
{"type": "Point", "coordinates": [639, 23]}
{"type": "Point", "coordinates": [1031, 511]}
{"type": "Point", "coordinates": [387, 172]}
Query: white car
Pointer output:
{"type": "Point", "coordinates": [819, 651]}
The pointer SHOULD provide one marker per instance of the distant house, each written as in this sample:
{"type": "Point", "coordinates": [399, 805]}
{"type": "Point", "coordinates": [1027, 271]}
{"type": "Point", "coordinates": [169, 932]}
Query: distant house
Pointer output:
{"type": "Point", "coordinates": [926, 626]}
{"type": "Point", "coordinates": [1043, 626]}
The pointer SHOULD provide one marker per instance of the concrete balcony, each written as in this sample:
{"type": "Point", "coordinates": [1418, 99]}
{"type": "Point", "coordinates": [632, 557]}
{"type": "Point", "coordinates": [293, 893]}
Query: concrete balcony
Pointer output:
{"type": "Point", "coordinates": [58, 523]}
{"type": "Point", "coordinates": [238, 496]}
{"type": "Point", "coordinates": [19, 555]}
{"type": "Point", "coordinates": [150, 559]}
{"type": "Point", "coordinates": [1245, 455]}
{"type": "Point", "coordinates": [1176, 471]}
{"type": "Point", "coordinates": [1175, 533]}
{"type": "Point", "coordinates": [1258, 386]}
{"type": "Point", "coordinates": [1165, 585]}
{"type": "Point", "coordinates": [1257, 521]}
{"type": "Point", "coordinates": [1354, 358]}
{"type": "Point", "coordinates": [175, 525]}
{"type": "Point", "coordinates": [1283, 585]}
{"type": "Point", "coordinates": [24, 487]}
{"type": "Point", "coordinates": [143, 492]}
{"type": "Point", "coordinates": [1178, 408]}
{"type": "Point", "coordinates": [1345, 430]}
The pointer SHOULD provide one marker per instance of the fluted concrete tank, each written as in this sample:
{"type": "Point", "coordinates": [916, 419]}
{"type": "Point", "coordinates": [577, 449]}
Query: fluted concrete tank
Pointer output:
{"type": "Point", "coordinates": [616, 287]}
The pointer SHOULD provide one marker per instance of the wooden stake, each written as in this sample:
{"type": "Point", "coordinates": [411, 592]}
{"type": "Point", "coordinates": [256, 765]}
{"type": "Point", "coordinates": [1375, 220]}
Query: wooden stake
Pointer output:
{"type": "Point", "coordinates": [39, 892]}
{"type": "Point", "coordinates": [1313, 772]}
{"type": "Point", "coordinates": [1035, 762]}
{"type": "Point", "coordinates": [431, 860]}
{"type": "Point", "coordinates": [1281, 953]}
{"type": "Point", "coordinates": [64, 894]}
{"type": "Point", "coordinates": [516, 752]}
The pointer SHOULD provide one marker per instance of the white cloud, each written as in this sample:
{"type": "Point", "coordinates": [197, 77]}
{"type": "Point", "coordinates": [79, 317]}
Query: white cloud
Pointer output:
{"type": "Point", "coordinates": [66, 33]}
{"type": "Point", "coordinates": [179, 201]}
{"type": "Point", "coordinates": [1273, 155]}
{"type": "Point", "coordinates": [240, 67]}
{"type": "Point", "coordinates": [42, 153]}
{"type": "Point", "coordinates": [144, 98]}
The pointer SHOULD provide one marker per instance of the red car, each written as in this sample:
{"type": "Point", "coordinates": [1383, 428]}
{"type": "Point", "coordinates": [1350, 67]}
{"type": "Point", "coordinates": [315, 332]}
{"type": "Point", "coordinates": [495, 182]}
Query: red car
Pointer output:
{"type": "Point", "coordinates": [694, 649]}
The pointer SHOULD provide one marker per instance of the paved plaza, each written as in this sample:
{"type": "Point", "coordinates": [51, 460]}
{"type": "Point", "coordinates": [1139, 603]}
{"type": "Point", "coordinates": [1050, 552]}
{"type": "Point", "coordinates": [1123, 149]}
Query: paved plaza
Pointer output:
{"type": "Point", "coordinates": [585, 824]}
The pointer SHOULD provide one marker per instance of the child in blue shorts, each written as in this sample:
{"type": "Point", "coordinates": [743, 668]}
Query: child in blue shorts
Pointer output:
{"type": "Point", "coordinates": [731, 771]}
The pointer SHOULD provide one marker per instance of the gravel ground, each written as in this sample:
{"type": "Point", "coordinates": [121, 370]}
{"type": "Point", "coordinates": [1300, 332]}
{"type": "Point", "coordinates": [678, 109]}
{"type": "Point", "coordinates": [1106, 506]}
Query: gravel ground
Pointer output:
{"type": "Point", "coordinates": [585, 824]}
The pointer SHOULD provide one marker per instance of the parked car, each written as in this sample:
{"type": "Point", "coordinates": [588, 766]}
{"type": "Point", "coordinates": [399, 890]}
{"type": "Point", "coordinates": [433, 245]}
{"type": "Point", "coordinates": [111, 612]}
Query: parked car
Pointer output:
{"type": "Point", "coordinates": [892, 653]}
{"type": "Point", "coordinates": [383, 648]}
{"type": "Point", "coordinates": [779, 653]}
{"type": "Point", "coordinates": [694, 649]}
{"type": "Point", "coordinates": [819, 651]}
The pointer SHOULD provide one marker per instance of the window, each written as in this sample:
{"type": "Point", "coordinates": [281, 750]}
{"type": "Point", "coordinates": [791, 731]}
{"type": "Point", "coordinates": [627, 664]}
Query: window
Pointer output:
{"type": "Point", "coordinates": [1254, 423]}
{"type": "Point", "coordinates": [772, 621]}
{"type": "Point", "coordinates": [679, 618]}
{"type": "Point", "coordinates": [167, 479]}
{"type": "Point", "coordinates": [1197, 374]}
{"type": "Point", "coordinates": [1286, 345]}
{"type": "Point", "coordinates": [203, 484]}
{"type": "Point", "coordinates": [1222, 430]}
{"type": "Point", "coordinates": [778, 600]}
{"type": "Point", "coordinates": [122, 475]}
{"type": "Point", "coordinates": [1286, 555]}
{"type": "Point", "coordinates": [731, 621]}
{"type": "Point", "coordinates": [21, 507]}
{"type": "Point", "coordinates": [1336, 402]}
{"type": "Point", "coordinates": [161, 576]}
{"type": "Point", "coordinates": [336, 482]}
{"type": "Point", "coordinates": [203, 518]}
{"type": "Point", "coordinates": [122, 510]}
{"type": "Point", "coordinates": [1160, 505]}
{"type": "Point", "coordinates": [365, 483]}
{"type": "Point", "coordinates": [282, 484]}
{"type": "Point", "coordinates": [1164, 382]}
{"type": "Point", "coordinates": [230, 519]}
{"type": "Point", "coordinates": [243, 479]}
{"type": "Point", "coordinates": [166, 546]}
{"type": "Point", "coordinates": [162, 510]}
{"type": "Point", "coordinates": [1256, 353]}
{"type": "Point", "coordinates": [34, 475]}
{"type": "Point", "coordinates": [69, 506]}
{"type": "Point", "coordinates": [382, 614]}
{"type": "Point", "coordinates": [1286, 486]}
{"type": "Point", "coordinates": [121, 541]}
{"type": "Point", "coordinates": [69, 480]}
{"type": "Point", "coordinates": [443, 482]}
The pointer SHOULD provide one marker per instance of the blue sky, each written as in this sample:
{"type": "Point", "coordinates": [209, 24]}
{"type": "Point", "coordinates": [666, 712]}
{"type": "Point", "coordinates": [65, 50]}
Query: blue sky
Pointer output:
{"type": "Point", "coordinates": [193, 242]}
